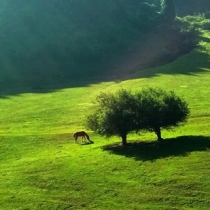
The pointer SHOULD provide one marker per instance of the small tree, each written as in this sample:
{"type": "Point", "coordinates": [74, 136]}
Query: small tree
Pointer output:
{"type": "Point", "coordinates": [160, 109]}
{"type": "Point", "coordinates": [114, 115]}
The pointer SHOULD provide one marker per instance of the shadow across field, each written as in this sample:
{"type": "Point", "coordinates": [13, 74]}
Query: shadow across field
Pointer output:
{"type": "Point", "coordinates": [149, 151]}
{"type": "Point", "coordinates": [19, 81]}
{"type": "Point", "coordinates": [197, 61]}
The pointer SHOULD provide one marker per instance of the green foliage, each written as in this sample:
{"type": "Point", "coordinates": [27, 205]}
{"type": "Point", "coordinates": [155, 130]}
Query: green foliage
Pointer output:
{"type": "Point", "coordinates": [150, 109]}
{"type": "Point", "coordinates": [114, 115]}
{"type": "Point", "coordinates": [160, 109]}
{"type": "Point", "coordinates": [195, 22]}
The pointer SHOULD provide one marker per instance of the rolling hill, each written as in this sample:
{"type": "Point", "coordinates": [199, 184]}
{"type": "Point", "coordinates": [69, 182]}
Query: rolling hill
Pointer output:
{"type": "Point", "coordinates": [42, 168]}
{"type": "Point", "coordinates": [57, 44]}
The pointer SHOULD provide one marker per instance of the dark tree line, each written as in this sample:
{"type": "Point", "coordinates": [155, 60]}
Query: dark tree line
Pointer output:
{"type": "Point", "coordinates": [191, 7]}
{"type": "Point", "coordinates": [58, 40]}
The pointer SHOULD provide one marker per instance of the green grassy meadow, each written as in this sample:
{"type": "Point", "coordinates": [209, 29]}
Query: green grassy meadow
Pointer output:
{"type": "Point", "coordinates": [42, 167]}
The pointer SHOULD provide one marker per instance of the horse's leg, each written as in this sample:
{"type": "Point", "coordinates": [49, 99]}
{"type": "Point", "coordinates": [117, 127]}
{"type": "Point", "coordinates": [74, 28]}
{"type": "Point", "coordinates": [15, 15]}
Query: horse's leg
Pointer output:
{"type": "Point", "coordinates": [75, 139]}
{"type": "Point", "coordinates": [88, 138]}
{"type": "Point", "coordinates": [83, 139]}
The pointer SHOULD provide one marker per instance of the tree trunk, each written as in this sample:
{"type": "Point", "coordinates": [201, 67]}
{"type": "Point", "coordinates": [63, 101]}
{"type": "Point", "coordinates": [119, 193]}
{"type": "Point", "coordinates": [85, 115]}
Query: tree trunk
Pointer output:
{"type": "Point", "coordinates": [158, 133]}
{"type": "Point", "coordinates": [124, 139]}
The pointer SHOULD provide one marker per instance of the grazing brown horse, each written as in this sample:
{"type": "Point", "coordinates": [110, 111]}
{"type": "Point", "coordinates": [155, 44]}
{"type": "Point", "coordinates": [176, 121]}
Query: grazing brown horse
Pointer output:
{"type": "Point", "coordinates": [83, 134]}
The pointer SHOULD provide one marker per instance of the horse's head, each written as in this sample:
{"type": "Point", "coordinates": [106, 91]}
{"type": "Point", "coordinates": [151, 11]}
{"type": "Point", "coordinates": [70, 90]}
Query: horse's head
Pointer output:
{"type": "Point", "coordinates": [91, 142]}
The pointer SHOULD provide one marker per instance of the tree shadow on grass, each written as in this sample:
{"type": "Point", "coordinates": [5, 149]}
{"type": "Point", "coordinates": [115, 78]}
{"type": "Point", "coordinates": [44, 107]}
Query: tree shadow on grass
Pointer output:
{"type": "Point", "coordinates": [149, 151]}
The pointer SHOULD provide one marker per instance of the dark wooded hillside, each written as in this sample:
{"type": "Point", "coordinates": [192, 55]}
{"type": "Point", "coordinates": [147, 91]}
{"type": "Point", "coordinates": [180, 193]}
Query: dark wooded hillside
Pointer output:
{"type": "Point", "coordinates": [53, 42]}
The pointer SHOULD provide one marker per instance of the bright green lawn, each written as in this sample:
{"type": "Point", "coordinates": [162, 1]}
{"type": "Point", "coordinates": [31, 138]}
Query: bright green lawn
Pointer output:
{"type": "Point", "coordinates": [42, 168]}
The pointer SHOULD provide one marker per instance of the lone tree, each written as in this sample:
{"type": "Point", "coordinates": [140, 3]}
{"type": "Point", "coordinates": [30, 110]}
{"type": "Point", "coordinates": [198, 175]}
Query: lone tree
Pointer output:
{"type": "Point", "coordinates": [114, 115]}
{"type": "Point", "coordinates": [161, 110]}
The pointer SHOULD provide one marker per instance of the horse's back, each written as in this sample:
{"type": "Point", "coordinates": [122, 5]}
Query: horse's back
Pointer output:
{"type": "Point", "coordinates": [80, 133]}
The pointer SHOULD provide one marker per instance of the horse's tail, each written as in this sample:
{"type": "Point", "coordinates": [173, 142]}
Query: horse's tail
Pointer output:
{"type": "Point", "coordinates": [75, 135]}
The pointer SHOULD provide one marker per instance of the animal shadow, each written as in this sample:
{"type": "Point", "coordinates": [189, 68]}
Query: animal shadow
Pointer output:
{"type": "Point", "coordinates": [152, 150]}
{"type": "Point", "coordinates": [87, 142]}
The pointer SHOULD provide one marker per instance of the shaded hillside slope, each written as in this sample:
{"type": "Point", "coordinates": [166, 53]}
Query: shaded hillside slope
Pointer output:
{"type": "Point", "coordinates": [158, 48]}
{"type": "Point", "coordinates": [50, 42]}
{"type": "Point", "coordinates": [58, 44]}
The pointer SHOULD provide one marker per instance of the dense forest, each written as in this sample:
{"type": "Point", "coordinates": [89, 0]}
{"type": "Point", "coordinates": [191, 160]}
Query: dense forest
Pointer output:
{"type": "Point", "coordinates": [52, 41]}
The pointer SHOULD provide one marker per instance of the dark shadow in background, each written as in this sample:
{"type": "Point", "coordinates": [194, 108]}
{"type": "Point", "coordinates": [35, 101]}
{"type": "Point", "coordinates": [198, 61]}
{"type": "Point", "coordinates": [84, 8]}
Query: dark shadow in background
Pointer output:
{"type": "Point", "coordinates": [149, 151]}
{"type": "Point", "coordinates": [70, 44]}
{"type": "Point", "coordinates": [61, 79]}
{"type": "Point", "coordinates": [196, 62]}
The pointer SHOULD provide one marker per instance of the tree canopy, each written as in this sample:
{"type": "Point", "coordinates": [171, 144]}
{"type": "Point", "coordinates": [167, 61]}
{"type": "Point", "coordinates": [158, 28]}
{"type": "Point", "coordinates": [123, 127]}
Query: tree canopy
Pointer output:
{"type": "Point", "coordinates": [114, 115]}
{"type": "Point", "coordinates": [151, 109]}
{"type": "Point", "coordinates": [160, 109]}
